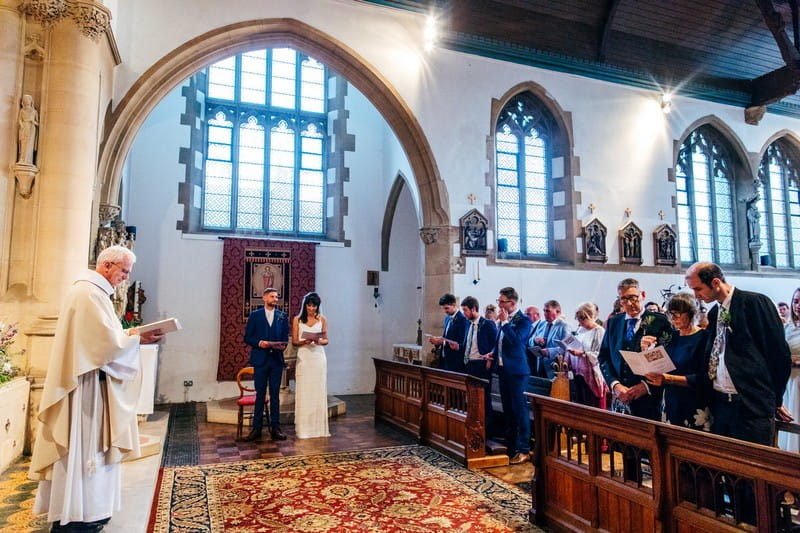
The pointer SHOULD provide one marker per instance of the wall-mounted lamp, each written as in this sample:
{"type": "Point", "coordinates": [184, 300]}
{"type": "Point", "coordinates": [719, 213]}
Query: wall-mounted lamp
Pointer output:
{"type": "Point", "coordinates": [376, 293]}
{"type": "Point", "coordinates": [431, 33]}
{"type": "Point", "coordinates": [666, 103]}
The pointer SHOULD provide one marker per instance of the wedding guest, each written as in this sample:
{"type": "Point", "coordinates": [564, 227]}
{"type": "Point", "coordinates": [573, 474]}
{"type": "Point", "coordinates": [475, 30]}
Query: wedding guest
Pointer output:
{"type": "Point", "coordinates": [310, 335]}
{"type": "Point", "coordinates": [543, 346]}
{"type": "Point", "coordinates": [783, 311]}
{"type": "Point", "coordinates": [684, 404]}
{"type": "Point", "coordinates": [453, 331]}
{"type": "Point", "coordinates": [791, 398]}
{"type": "Point", "coordinates": [479, 343]}
{"type": "Point", "coordinates": [589, 387]}
{"type": "Point", "coordinates": [652, 307]}
{"type": "Point", "coordinates": [490, 313]}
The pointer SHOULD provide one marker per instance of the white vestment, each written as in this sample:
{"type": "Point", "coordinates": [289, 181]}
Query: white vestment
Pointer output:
{"type": "Point", "coordinates": [86, 426]}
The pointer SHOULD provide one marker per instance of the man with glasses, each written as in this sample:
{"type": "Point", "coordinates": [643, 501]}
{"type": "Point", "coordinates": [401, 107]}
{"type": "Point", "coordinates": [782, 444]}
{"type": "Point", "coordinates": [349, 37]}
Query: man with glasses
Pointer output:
{"type": "Point", "coordinates": [624, 332]}
{"type": "Point", "coordinates": [512, 368]}
{"type": "Point", "coordinates": [87, 422]}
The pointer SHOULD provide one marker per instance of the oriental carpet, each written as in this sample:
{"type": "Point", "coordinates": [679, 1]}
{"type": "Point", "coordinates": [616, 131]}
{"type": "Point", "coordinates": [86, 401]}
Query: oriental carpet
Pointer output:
{"type": "Point", "coordinates": [395, 489]}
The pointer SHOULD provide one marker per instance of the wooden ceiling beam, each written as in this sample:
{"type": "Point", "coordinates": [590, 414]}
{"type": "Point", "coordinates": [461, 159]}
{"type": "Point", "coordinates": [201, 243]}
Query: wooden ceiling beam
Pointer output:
{"type": "Point", "coordinates": [776, 25]}
{"type": "Point", "coordinates": [775, 85]}
{"type": "Point", "coordinates": [605, 33]}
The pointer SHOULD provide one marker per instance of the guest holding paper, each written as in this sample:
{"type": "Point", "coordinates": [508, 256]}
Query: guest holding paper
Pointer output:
{"type": "Point", "coordinates": [451, 341]}
{"type": "Point", "coordinates": [310, 334]}
{"type": "Point", "coordinates": [684, 405]}
{"type": "Point", "coordinates": [589, 387]}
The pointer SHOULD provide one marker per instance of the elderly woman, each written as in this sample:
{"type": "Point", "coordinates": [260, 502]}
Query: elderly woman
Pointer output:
{"type": "Point", "coordinates": [683, 404]}
{"type": "Point", "coordinates": [589, 386]}
{"type": "Point", "coordinates": [791, 398]}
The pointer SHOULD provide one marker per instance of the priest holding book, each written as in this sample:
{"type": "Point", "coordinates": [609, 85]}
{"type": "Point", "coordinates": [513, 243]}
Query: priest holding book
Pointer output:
{"type": "Point", "coordinates": [87, 423]}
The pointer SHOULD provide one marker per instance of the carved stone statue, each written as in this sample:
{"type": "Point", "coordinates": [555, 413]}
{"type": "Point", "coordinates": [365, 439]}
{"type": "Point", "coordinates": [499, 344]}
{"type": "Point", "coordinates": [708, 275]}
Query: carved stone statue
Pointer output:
{"type": "Point", "coordinates": [665, 241]}
{"type": "Point", "coordinates": [473, 233]}
{"type": "Point", "coordinates": [594, 235]}
{"type": "Point", "coordinates": [753, 215]}
{"type": "Point", "coordinates": [630, 240]}
{"type": "Point", "coordinates": [28, 122]}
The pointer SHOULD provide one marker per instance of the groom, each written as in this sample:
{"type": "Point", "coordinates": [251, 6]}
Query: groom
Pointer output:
{"type": "Point", "coordinates": [267, 334]}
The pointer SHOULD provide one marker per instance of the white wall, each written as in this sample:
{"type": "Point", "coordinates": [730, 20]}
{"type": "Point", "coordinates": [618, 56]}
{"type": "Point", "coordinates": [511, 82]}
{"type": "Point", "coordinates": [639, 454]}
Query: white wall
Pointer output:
{"type": "Point", "coordinates": [623, 142]}
{"type": "Point", "coordinates": [181, 274]}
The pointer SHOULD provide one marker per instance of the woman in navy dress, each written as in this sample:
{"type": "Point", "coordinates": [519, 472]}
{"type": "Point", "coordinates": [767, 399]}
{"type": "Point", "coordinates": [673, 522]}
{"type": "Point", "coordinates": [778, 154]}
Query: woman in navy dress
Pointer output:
{"type": "Point", "coordinates": [683, 402]}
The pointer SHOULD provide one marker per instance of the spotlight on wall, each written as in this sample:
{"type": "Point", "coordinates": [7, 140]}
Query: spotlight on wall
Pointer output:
{"type": "Point", "coordinates": [431, 33]}
{"type": "Point", "coordinates": [666, 102]}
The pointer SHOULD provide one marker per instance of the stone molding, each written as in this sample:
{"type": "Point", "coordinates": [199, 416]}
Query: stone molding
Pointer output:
{"type": "Point", "coordinates": [93, 19]}
{"type": "Point", "coordinates": [429, 235]}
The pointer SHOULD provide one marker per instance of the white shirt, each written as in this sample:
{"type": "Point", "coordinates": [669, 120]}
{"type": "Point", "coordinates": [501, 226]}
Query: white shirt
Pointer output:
{"type": "Point", "coordinates": [723, 381]}
{"type": "Point", "coordinates": [270, 315]}
{"type": "Point", "coordinates": [473, 343]}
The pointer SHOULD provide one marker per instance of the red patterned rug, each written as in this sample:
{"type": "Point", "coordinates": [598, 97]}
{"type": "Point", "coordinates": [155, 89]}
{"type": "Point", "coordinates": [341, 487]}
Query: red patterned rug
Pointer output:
{"type": "Point", "coordinates": [403, 488]}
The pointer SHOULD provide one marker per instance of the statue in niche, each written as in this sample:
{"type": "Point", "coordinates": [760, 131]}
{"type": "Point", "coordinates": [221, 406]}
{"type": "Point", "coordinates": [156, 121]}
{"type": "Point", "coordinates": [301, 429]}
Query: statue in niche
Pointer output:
{"type": "Point", "coordinates": [630, 237]}
{"type": "Point", "coordinates": [28, 122]}
{"type": "Point", "coordinates": [594, 237]}
{"type": "Point", "coordinates": [474, 228]}
{"type": "Point", "coordinates": [753, 215]}
{"type": "Point", "coordinates": [665, 240]}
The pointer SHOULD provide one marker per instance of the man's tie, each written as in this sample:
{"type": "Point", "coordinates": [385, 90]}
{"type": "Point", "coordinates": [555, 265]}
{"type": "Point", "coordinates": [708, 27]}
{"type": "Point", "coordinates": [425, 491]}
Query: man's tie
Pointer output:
{"type": "Point", "coordinates": [631, 328]}
{"type": "Point", "coordinates": [468, 349]}
{"type": "Point", "coordinates": [547, 332]}
{"type": "Point", "coordinates": [717, 347]}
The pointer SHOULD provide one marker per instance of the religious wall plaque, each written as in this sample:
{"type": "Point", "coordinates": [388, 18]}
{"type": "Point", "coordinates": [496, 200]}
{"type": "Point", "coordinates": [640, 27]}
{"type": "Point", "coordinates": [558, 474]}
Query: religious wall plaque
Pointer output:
{"type": "Point", "coordinates": [473, 227]}
{"type": "Point", "coordinates": [630, 244]}
{"type": "Point", "coordinates": [594, 241]}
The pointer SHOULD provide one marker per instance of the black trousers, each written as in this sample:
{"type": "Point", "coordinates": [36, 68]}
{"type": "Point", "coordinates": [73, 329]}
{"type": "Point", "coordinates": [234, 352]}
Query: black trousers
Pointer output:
{"type": "Point", "coordinates": [731, 421]}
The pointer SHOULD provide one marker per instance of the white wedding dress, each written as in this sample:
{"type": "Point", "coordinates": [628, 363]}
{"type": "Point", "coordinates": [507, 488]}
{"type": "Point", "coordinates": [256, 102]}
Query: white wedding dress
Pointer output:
{"type": "Point", "coordinates": [311, 393]}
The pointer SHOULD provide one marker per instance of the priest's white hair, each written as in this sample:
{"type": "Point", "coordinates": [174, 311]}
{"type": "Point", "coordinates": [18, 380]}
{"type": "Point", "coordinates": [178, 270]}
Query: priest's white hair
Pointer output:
{"type": "Point", "coordinates": [115, 254]}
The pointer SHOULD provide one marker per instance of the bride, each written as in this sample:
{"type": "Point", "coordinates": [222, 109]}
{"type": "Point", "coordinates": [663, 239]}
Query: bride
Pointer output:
{"type": "Point", "coordinates": [310, 334]}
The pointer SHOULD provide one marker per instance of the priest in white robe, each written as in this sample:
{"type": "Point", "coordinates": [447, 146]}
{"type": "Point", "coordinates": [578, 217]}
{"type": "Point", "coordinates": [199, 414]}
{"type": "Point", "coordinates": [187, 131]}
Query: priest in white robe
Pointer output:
{"type": "Point", "coordinates": [87, 420]}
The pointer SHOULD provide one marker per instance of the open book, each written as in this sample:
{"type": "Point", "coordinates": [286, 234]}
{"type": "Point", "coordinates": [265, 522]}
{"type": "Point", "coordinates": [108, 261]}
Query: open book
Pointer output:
{"type": "Point", "coordinates": [168, 325]}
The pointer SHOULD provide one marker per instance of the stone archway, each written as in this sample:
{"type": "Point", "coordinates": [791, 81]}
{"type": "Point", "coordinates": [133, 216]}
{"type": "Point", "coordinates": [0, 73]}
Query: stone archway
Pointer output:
{"type": "Point", "coordinates": [179, 64]}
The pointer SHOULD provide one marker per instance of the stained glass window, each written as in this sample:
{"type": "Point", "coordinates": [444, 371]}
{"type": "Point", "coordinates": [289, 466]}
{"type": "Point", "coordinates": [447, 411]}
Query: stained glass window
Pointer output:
{"type": "Point", "coordinates": [705, 200]}
{"type": "Point", "coordinates": [266, 144]}
{"type": "Point", "coordinates": [779, 207]}
{"type": "Point", "coordinates": [522, 163]}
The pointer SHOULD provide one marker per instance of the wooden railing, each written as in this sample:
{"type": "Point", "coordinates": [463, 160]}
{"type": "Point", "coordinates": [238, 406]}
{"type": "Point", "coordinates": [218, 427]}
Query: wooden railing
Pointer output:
{"type": "Point", "coordinates": [602, 471]}
{"type": "Point", "coordinates": [445, 410]}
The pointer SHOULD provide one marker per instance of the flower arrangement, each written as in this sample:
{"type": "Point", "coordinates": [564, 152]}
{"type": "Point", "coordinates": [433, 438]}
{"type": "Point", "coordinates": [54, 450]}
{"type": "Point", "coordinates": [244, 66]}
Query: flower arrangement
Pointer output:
{"type": "Point", "coordinates": [653, 324]}
{"type": "Point", "coordinates": [130, 320]}
{"type": "Point", "coordinates": [7, 334]}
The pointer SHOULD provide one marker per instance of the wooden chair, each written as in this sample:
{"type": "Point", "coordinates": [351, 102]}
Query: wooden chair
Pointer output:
{"type": "Point", "coordinates": [247, 400]}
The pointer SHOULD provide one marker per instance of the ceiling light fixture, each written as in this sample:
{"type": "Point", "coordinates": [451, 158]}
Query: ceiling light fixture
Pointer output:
{"type": "Point", "coordinates": [666, 103]}
{"type": "Point", "coordinates": [431, 33]}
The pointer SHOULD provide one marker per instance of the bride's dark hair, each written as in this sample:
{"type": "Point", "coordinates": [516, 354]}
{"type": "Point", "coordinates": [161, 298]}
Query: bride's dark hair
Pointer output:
{"type": "Point", "coordinates": [310, 298]}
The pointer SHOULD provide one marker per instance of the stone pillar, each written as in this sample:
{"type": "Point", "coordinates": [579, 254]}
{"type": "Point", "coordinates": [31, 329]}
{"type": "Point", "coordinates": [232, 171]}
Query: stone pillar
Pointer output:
{"type": "Point", "coordinates": [11, 57]}
{"type": "Point", "coordinates": [439, 268]}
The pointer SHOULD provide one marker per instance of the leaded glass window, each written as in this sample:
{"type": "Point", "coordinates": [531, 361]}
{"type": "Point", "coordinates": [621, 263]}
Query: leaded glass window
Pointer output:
{"type": "Point", "coordinates": [522, 161]}
{"type": "Point", "coordinates": [265, 146]}
{"type": "Point", "coordinates": [779, 207]}
{"type": "Point", "coordinates": [705, 200]}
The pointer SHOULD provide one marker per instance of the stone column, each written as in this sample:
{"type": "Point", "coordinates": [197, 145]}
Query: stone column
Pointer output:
{"type": "Point", "coordinates": [11, 57]}
{"type": "Point", "coordinates": [439, 268]}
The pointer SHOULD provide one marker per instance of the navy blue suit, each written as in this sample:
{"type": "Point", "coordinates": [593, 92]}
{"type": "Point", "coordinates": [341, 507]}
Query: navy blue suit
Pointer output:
{"type": "Point", "coordinates": [513, 375]}
{"type": "Point", "coordinates": [268, 364]}
{"type": "Point", "coordinates": [455, 329]}
{"type": "Point", "coordinates": [615, 368]}
{"type": "Point", "coordinates": [486, 340]}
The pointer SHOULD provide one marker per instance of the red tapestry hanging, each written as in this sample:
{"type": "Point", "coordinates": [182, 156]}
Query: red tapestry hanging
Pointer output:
{"type": "Point", "coordinates": [248, 267]}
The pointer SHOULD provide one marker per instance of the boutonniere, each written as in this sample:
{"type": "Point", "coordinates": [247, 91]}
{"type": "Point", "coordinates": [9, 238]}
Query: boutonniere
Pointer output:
{"type": "Point", "coordinates": [726, 318]}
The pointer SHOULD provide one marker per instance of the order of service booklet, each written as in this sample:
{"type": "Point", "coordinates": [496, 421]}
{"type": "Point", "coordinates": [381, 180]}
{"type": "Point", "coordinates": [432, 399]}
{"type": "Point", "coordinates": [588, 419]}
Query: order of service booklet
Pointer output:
{"type": "Point", "coordinates": [654, 360]}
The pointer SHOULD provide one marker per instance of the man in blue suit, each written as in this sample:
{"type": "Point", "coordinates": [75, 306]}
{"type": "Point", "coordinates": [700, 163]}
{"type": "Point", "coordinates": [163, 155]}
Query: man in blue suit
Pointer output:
{"type": "Point", "coordinates": [513, 371]}
{"type": "Point", "coordinates": [624, 332]}
{"type": "Point", "coordinates": [479, 343]}
{"type": "Point", "coordinates": [452, 339]}
{"type": "Point", "coordinates": [267, 334]}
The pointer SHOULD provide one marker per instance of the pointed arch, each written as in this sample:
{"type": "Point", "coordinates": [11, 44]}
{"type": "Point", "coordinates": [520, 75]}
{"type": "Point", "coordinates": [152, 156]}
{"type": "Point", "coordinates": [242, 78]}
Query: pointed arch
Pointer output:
{"type": "Point", "coordinates": [388, 218]}
{"type": "Point", "coordinates": [217, 44]}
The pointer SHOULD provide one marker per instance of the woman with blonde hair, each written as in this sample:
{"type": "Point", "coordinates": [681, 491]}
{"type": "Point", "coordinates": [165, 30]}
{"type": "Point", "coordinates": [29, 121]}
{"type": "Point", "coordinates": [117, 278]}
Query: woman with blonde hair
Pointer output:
{"type": "Point", "coordinates": [589, 386]}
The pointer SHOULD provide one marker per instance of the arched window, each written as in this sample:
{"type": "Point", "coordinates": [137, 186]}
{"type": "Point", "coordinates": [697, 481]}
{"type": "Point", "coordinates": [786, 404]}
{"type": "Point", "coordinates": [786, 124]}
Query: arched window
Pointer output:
{"type": "Point", "coordinates": [265, 144]}
{"type": "Point", "coordinates": [779, 206]}
{"type": "Point", "coordinates": [523, 152]}
{"type": "Point", "coordinates": [705, 197]}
